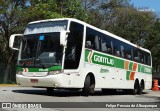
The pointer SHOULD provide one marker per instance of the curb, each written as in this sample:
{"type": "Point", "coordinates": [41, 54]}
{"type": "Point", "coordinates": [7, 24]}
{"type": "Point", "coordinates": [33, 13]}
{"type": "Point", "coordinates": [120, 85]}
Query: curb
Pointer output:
{"type": "Point", "coordinates": [8, 85]}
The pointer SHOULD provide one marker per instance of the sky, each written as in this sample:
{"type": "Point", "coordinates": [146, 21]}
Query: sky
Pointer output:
{"type": "Point", "coordinates": [151, 4]}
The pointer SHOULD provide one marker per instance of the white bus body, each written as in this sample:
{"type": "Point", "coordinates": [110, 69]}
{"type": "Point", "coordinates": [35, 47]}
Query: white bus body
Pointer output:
{"type": "Point", "coordinates": [91, 58]}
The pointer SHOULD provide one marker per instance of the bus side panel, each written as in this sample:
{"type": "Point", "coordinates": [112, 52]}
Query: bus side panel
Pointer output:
{"type": "Point", "coordinates": [109, 77]}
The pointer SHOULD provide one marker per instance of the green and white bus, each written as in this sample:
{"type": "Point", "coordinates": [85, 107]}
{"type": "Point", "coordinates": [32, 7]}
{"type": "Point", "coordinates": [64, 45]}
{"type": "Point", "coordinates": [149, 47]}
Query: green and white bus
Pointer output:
{"type": "Point", "coordinates": [71, 54]}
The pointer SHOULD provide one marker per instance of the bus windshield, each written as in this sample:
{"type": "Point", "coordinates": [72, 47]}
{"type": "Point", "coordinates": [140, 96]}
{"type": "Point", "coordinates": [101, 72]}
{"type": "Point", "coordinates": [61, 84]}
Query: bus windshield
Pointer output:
{"type": "Point", "coordinates": [41, 50]}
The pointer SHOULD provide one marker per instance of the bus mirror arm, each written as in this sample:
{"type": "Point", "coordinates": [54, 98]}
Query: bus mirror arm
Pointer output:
{"type": "Point", "coordinates": [12, 39]}
{"type": "Point", "coordinates": [63, 37]}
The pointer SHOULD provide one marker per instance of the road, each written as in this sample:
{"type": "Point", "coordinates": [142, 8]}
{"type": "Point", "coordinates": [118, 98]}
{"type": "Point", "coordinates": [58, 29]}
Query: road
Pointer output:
{"type": "Point", "coordinates": [29, 94]}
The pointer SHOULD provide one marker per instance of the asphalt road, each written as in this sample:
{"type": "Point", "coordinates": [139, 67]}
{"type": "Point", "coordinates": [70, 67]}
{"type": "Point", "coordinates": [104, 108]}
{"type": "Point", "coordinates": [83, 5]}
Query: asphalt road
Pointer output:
{"type": "Point", "coordinates": [28, 94]}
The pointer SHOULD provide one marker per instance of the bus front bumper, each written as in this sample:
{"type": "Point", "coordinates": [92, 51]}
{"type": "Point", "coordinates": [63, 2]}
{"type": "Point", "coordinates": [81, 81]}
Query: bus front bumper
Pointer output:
{"type": "Point", "coordinates": [45, 81]}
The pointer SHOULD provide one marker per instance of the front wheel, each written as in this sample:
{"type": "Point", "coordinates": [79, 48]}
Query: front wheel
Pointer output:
{"type": "Point", "coordinates": [88, 87]}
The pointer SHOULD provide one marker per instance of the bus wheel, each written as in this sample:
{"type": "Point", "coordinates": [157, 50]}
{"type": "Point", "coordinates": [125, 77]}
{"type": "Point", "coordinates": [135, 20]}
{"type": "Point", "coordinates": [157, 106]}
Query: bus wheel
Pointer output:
{"type": "Point", "coordinates": [136, 88]}
{"type": "Point", "coordinates": [140, 89]}
{"type": "Point", "coordinates": [50, 90]}
{"type": "Point", "coordinates": [88, 87]}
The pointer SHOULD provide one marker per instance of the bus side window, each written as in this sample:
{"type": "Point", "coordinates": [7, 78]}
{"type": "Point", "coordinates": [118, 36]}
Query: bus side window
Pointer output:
{"type": "Point", "coordinates": [106, 44]}
{"type": "Point", "coordinates": [142, 58]}
{"type": "Point", "coordinates": [117, 47]}
{"type": "Point", "coordinates": [103, 45]}
{"type": "Point", "coordinates": [135, 55]}
{"type": "Point", "coordinates": [89, 39]}
{"type": "Point", "coordinates": [88, 44]}
{"type": "Point", "coordinates": [132, 55]}
{"type": "Point", "coordinates": [149, 59]}
{"type": "Point", "coordinates": [146, 59]}
{"type": "Point", "coordinates": [112, 48]}
{"type": "Point", "coordinates": [92, 39]}
{"type": "Point", "coordinates": [128, 55]}
{"type": "Point", "coordinates": [116, 52]}
{"type": "Point", "coordinates": [122, 50]}
{"type": "Point", "coordinates": [97, 42]}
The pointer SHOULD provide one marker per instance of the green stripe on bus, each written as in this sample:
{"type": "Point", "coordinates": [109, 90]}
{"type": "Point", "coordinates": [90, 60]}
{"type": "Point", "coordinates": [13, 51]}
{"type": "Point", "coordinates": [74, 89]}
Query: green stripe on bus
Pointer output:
{"type": "Point", "coordinates": [145, 69]}
{"type": "Point", "coordinates": [128, 75]}
{"type": "Point", "coordinates": [102, 59]}
{"type": "Point", "coordinates": [119, 63]}
{"type": "Point", "coordinates": [19, 69]}
{"type": "Point", "coordinates": [53, 68]}
{"type": "Point", "coordinates": [130, 66]}
{"type": "Point", "coordinates": [86, 55]}
{"type": "Point", "coordinates": [139, 67]}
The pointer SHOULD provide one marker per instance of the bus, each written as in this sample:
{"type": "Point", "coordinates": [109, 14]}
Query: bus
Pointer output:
{"type": "Point", "coordinates": [67, 53]}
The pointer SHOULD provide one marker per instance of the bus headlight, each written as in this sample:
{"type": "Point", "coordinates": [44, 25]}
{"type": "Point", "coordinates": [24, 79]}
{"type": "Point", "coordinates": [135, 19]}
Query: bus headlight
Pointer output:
{"type": "Point", "coordinates": [19, 72]}
{"type": "Point", "coordinates": [55, 72]}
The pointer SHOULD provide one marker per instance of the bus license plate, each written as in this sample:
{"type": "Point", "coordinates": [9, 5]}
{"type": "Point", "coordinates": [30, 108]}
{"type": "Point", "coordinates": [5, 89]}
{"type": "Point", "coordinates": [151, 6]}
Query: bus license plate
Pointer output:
{"type": "Point", "coordinates": [34, 80]}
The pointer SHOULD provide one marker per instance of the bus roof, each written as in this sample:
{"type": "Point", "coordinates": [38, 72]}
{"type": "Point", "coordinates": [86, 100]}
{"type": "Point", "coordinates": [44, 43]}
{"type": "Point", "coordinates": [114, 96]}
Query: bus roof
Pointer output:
{"type": "Point", "coordinates": [95, 28]}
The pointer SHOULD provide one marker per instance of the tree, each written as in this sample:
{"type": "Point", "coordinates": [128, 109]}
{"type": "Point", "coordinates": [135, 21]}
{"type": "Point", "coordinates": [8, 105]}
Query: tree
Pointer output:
{"type": "Point", "coordinates": [153, 44]}
{"type": "Point", "coordinates": [15, 14]}
{"type": "Point", "coordinates": [10, 15]}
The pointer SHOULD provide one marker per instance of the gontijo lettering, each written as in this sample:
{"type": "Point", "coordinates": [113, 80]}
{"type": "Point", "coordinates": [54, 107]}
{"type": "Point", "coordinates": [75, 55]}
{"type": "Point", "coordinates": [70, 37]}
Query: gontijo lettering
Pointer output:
{"type": "Point", "coordinates": [147, 70]}
{"type": "Point", "coordinates": [103, 60]}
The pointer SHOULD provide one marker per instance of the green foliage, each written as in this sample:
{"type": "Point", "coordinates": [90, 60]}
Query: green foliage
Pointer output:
{"type": "Point", "coordinates": [121, 18]}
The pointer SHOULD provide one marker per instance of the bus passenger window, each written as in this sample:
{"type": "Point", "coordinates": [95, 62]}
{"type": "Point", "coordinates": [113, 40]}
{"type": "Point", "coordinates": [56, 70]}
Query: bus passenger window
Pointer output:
{"type": "Point", "coordinates": [142, 59]}
{"type": "Point", "coordinates": [106, 44]}
{"type": "Point", "coordinates": [109, 50]}
{"type": "Point", "coordinates": [146, 59]}
{"type": "Point", "coordinates": [104, 47]}
{"type": "Point", "coordinates": [128, 56]}
{"type": "Point", "coordinates": [149, 59]}
{"type": "Point", "coordinates": [128, 52]}
{"type": "Point", "coordinates": [136, 56]}
{"type": "Point", "coordinates": [96, 42]}
{"type": "Point", "coordinates": [116, 52]}
{"type": "Point", "coordinates": [92, 39]}
{"type": "Point", "coordinates": [88, 44]}
{"type": "Point", "coordinates": [122, 51]}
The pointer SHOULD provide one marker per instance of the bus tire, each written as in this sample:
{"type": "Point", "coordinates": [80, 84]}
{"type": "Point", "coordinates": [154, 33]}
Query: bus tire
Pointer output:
{"type": "Point", "coordinates": [139, 92]}
{"type": "Point", "coordinates": [140, 89]}
{"type": "Point", "coordinates": [88, 88]}
{"type": "Point", "coordinates": [142, 85]}
{"type": "Point", "coordinates": [50, 91]}
{"type": "Point", "coordinates": [136, 88]}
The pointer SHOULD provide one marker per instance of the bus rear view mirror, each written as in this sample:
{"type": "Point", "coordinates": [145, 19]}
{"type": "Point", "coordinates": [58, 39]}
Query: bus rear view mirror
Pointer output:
{"type": "Point", "coordinates": [63, 37]}
{"type": "Point", "coordinates": [14, 44]}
